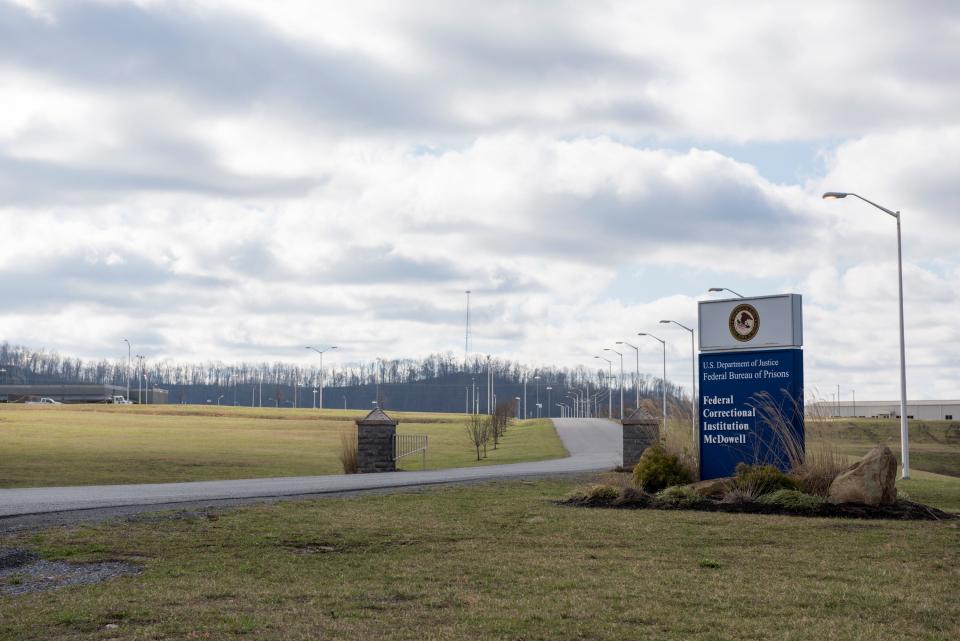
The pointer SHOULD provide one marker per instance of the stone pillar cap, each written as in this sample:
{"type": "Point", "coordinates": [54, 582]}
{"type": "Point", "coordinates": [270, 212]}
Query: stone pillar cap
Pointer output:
{"type": "Point", "coordinates": [639, 416]}
{"type": "Point", "coordinates": [376, 417]}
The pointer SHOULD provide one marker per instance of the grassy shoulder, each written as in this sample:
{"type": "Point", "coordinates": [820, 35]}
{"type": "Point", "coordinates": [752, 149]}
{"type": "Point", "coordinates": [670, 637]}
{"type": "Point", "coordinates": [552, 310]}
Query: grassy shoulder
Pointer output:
{"type": "Point", "coordinates": [102, 444]}
{"type": "Point", "coordinates": [498, 560]}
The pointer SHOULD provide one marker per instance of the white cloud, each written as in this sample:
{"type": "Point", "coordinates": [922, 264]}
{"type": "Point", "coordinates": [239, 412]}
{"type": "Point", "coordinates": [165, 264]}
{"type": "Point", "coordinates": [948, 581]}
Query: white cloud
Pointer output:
{"type": "Point", "coordinates": [229, 181]}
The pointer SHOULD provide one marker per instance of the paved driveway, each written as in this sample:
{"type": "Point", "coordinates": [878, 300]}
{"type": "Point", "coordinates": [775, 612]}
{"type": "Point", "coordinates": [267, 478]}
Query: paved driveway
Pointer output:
{"type": "Point", "coordinates": [593, 444]}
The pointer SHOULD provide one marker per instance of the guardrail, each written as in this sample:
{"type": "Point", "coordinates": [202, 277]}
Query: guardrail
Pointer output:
{"type": "Point", "coordinates": [407, 444]}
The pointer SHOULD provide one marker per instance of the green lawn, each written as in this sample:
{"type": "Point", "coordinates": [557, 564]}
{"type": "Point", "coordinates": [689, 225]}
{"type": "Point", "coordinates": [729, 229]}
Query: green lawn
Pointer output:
{"type": "Point", "coordinates": [500, 561]}
{"type": "Point", "coordinates": [104, 444]}
{"type": "Point", "coordinates": [934, 445]}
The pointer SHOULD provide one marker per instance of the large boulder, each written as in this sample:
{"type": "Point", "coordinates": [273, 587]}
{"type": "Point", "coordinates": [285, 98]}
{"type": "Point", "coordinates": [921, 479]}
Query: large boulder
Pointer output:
{"type": "Point", "coordinates": [871, 481]}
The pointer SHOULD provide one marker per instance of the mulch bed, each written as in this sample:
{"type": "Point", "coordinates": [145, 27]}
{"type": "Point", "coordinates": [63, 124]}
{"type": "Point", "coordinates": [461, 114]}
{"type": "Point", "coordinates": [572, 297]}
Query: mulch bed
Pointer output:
{"type": "Point", "coordinates": [899, 511]}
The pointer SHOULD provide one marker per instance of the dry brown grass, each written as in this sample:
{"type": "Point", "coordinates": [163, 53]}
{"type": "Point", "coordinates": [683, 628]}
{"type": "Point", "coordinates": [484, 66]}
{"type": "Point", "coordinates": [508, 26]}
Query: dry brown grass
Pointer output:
{"type": "Point", "coordinates": [348, 452]}
{"type": "Point", "coordinates": [814, 468]}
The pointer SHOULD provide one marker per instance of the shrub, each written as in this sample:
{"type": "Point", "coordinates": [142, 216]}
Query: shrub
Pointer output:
{"type": "Point", "coordinates": [597, 493]}
{"type": "Point", "coordinates": [348, 452]}
{"type": "Point", "coordinates": [792, 500]}
{"type": "Point", "coordinates": [758, 480]}
{"type": "Point", "coordinates": [633, 497]}
{"type": "Point", "coordinates": [602, 493]}
{"type": "Point", "coordinates": [679, 496]}
{"type": "Point", "coordinates": [658, 469]}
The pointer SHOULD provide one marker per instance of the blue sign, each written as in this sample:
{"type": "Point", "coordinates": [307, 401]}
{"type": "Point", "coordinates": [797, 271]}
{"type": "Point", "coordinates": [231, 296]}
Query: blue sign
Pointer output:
{"type": "Point", "coordinates": [741, 393]}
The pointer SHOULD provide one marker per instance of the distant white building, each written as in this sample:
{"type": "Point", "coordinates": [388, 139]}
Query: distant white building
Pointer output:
{"type": "Point", "coordinates": [929, 410]}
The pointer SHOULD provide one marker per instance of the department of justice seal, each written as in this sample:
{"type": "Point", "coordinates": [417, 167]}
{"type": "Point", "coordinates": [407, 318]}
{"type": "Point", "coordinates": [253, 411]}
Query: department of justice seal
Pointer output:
{"type": "Point", "coordinates": [744, 322]}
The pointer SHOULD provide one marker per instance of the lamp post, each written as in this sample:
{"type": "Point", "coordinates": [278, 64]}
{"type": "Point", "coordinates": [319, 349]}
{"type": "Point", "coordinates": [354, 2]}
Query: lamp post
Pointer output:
{"type": "Point", "coordinates": [128, 368]}
{"type": "Point", "coordinates": [321, 351]}
{"type": "Point", "coordinates": [549, 406]}
{"type": "Point", "coordinates": [725, 289]}
{"type": "Point", "coordinates": [517, 399]}
{"type": "Point", "coordinates": [904, 434]}
{"type": "Point", "coordinates": [637, 382]}
{"type": "Point", "coordinates": [140, 380]}
{"type": "Point", "coordinates": [314, 398]}
{"type": "Point", "coordinates": [537, 379]}
{"type": "Point", "coordinates": [694, 400]}
{"type": "Point", "coordinates": [218, 399]}
{"type": "Point", "coordinates": [663, 383]}
{"type": "Point", "coordinates": [607, 349]}
{"type": "Point", "coordinates": [609, 389]}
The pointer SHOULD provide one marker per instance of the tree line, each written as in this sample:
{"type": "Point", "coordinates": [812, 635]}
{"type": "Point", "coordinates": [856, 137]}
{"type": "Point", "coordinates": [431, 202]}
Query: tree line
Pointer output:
{"type": "Point", "coordinates": [438, 382]}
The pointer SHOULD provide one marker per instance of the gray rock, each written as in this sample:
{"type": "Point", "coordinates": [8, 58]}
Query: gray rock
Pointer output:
{"type": "Point", "coordinates": [871, 481]}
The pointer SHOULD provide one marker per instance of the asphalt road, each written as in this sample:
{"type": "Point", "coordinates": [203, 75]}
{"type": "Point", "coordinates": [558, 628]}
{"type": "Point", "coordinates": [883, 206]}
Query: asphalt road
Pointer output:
{"type": "Point", "coordinates": [593, 444]}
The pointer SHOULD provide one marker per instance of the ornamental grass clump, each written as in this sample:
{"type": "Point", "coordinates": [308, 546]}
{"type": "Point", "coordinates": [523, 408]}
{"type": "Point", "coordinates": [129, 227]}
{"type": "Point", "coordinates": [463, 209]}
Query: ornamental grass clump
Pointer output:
{"type": "Point", "coordinates": [793, 500]}
{"type": "Point", "coordinates": [659, 469]}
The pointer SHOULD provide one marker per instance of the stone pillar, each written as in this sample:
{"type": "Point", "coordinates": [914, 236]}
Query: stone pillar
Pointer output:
{"type": "Point", "coordinates": [640, 431]}
{"type": "Point", "coordinates": [375, 434]}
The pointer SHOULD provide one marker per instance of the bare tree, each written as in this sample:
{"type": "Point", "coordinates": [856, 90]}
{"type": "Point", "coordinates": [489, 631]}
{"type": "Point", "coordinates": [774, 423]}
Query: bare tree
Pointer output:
{"type": "Point", "coordinates": [478, 432]}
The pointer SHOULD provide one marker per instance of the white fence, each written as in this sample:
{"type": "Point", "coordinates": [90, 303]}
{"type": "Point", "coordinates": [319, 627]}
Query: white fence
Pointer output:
{"type": "Point", "coordinates": [407, 444]}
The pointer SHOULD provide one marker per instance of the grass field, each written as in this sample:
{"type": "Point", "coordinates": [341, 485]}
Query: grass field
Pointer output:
{"type": "Point", "coordinates": [934, 445]}
{"type": "Point", "coordinates": [500, 561]}
{"type": "Point", "coordinates": [106, 444]}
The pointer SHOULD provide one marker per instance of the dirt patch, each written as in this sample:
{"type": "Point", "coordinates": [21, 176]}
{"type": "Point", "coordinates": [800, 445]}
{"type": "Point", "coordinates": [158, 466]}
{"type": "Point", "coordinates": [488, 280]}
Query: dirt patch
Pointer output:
{"type": "Point", "coordinates": [23, 571]}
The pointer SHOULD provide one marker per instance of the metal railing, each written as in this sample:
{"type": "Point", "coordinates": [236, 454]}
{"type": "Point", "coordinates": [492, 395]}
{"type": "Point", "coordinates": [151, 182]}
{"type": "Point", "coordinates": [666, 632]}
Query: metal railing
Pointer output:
{"type": "Point", "coordinates": [407, 444]}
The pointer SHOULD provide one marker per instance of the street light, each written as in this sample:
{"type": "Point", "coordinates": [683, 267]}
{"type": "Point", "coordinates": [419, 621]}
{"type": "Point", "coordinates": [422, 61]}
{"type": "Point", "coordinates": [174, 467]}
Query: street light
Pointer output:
{"type": "Point", "coordinates": [637, 383]}
{"type": "Point", "coordinates": [321, 351]}
{"type": "Point", "coordinates": [218, 399]}
{"type": "Point", "coordinates": [664, 381]}
{"type": "Point", "coordinates": [314, 398]}
{"type": "Point", "coordinates": [609, 389]}
{"type": "Point", "coordinates": [128, 368]}
{"type": "Point", "coordinates": [904, 434]}
{"type": "Point", "coordinates": [725, 289]}
{"type": "Point", "coordinates": [537, 379]}
{"type": "Point", "coordinates": [517, 399]}
{"type": "Point", "coordinates": [693, 378]}
{"type": "Point", "coordinates": [549, 406]}
{"type": "Point", "coordinates": [607, 349]}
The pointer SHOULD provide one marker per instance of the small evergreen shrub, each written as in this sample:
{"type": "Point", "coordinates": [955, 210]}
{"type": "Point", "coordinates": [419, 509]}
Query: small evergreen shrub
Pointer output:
{"type": "Point", "coordinates": [792, 500]}
{"type": "Point", "coordinates": [594, 494]}
{"type": "Point", "coordinates": [602, 493]}
{"type": "Point", "coordinates": [633, 497]}
{"type": "Point", "coordinates": [758, 480]}
{"type": "Point", "coordinates": [679, 496]}
{"type": "Point", "coordinates": [658, 469]}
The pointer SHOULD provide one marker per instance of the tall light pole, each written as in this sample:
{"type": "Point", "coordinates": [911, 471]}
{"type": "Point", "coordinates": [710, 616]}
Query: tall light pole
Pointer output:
{"type": "Point", "coordinates": [637, 384]}
{"type": "Point", "coordinates": [549, 406]}
{"type": "Point", "coordinates": [693, 378]}
{"type": "Point", "coordinates": [607, 349]}
{"type": "Point", "coordinates": [321, 351]}
{"type": "Point", "coordinates": [517, 399]}
{"type": "Point", "coordinates": [663, 383]}
{"type": "Point", "coordinates": [537, 379]}
{"type": "Point", "coordinates": [140, 380]}
{"type": "Point", "coordinates": [128, 368]}
{"type": "Point", "coordinates": [904, 434]}
{"type": "Point", "coordinates": [314, 398]}
{"type": "Point", "coordinates": [609, 389]}
{"type": "Point", "coordinates": [725, 289]}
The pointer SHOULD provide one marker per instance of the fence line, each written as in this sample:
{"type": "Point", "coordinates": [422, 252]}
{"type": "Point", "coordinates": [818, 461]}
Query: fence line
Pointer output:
{"type": "Point", "coordinates": [407, 444]}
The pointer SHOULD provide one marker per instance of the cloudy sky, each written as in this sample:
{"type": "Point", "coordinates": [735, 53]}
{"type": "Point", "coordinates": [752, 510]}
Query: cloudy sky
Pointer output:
{"type": "Point", "coordinates": [234, 180]}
